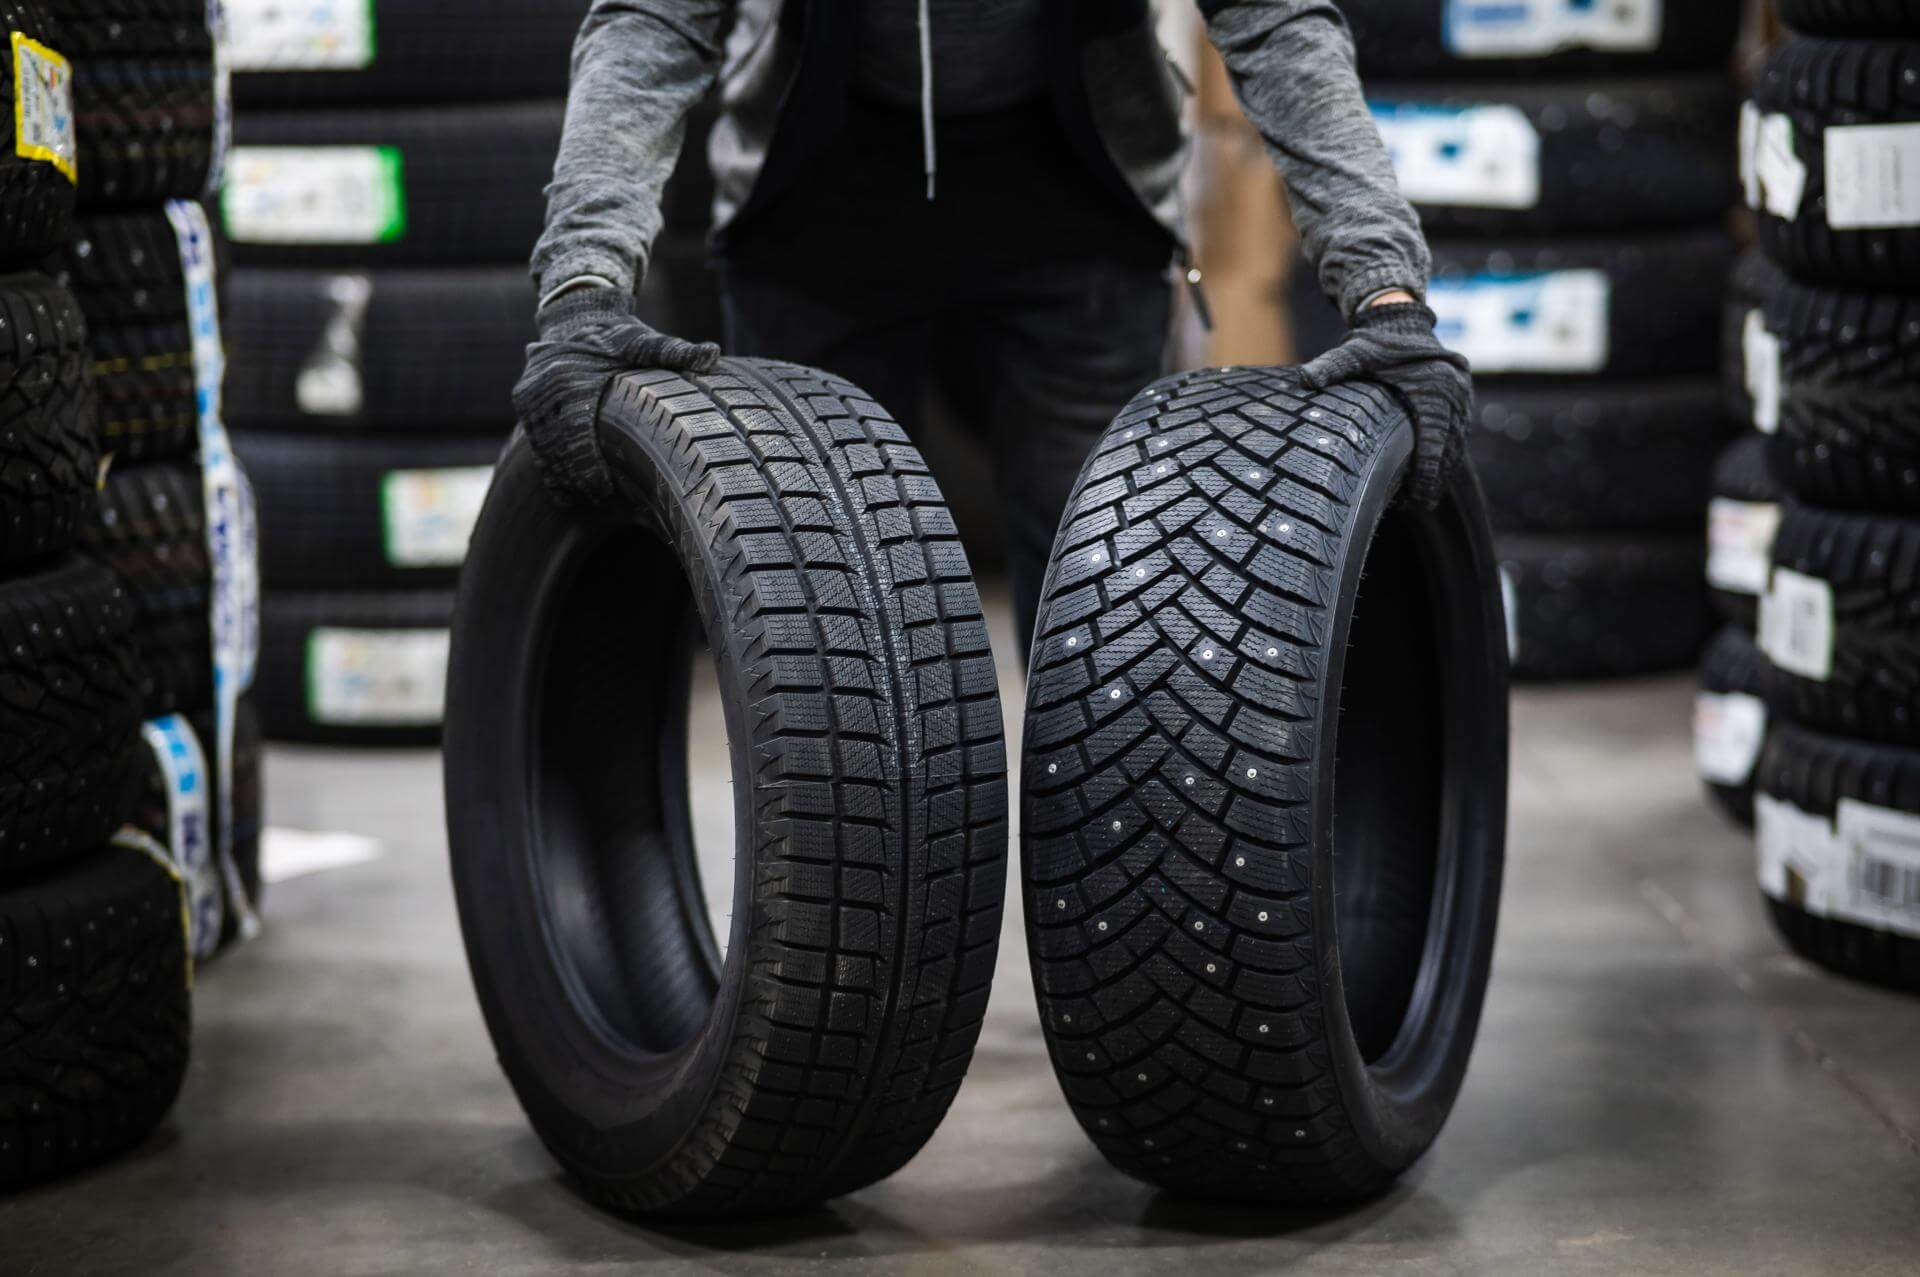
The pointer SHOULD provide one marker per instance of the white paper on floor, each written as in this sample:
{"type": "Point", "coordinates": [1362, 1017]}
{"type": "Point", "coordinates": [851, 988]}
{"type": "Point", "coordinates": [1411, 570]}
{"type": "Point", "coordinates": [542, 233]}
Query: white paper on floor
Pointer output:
{"type": "Point", "coordinates": [293, 853]}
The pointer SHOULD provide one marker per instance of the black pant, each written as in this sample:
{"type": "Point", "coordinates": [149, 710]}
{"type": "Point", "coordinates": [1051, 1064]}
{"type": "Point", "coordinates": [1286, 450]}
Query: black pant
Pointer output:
{"type": "Point", "coordinates": [1046, 292]}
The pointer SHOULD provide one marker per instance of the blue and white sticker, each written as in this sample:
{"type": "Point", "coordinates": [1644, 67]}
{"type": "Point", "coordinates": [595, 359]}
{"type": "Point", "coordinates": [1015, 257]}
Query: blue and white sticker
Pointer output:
{"type": "Point", "coordinates": [1547, 322]}
{"type": "Point", "coordinates": [190, 827]}
{"type": "Point", "coordinates": [1484, 156]}
{"type": "Point", "coordinates": [231, 532]}
{"type": "Point", "coordinates": [376, 678]}
{"type": "Point", "coordinates": [1536, 28]}
{"type": "Point", "coordinates": [315, 35]}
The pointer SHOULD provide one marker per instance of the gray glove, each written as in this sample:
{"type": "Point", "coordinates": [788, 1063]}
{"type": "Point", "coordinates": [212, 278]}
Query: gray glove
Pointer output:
{"type": "Point", "coordinates": [1394, 345]}
{"type": "Point", "coordinates": [586, 337]}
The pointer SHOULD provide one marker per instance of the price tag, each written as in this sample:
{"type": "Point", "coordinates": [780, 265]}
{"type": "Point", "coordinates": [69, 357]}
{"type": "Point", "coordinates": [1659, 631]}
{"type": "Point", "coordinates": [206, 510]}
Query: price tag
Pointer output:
{"type": "Point", "coordinates": [1728, 730]}
{"type": "Point", "coordinates": [1740, 544]}
{"type": "Point", "coordinates": [1873, 176]}
{"type": "Point", "coordinates": [1796, 624]}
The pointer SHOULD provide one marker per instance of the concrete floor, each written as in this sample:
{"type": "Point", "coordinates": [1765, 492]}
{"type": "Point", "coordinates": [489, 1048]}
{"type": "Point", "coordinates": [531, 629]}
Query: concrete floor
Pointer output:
{"type": "Point", "coordinates": [1657, 1088]}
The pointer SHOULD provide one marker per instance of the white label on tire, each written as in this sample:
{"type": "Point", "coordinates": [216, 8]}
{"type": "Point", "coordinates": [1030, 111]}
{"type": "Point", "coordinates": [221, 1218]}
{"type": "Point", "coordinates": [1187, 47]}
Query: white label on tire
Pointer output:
{"type": "Point", "coordinates": [1873, 176]}
{"type": "Point", "coordinates": [315, 195]}
{"type": "Point", "coordinates": [1740, 544]}
{"type": "Point", "coordinates": [329, 383]}
{"type": "Point", "coordinates": [1728, 730]}
{"type": "Point", "coordinates": [1779, 176]}
{"type": "Point", "coordinates": [1863, 867]}
{"type": "Point", "coordinates": [1555, 322]}
{"type": "Point", "coordinates": [1749, 148]}
{"type": "Point", "coordinates": [428, 515]}
{"type": "Point", "coordinates": [1796, 624]}
{"type": "Point", "coordinates": [376, 678]}
{"type": "Point", "coordinates": [312, 35]}
{"type": "Point", "coordinates": [190, 826]}
{"type": "Point", "coordinates": [1760, 353]}
{"type": "Point", "coordinates": [1534, 28]}
{"type": "Point", "coordinates": [1471, 157]}
{"type": "Point", "coordinates": [1510, 606]}
{"type": "Point", "coordinates": [43, 127]}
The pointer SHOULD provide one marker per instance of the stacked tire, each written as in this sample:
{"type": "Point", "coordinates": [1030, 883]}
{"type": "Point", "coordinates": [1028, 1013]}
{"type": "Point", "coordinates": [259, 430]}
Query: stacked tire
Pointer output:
{"type": "Point", "coordinates": [94, 958]}
{"type": "Point", "coordinates": [1829, 318]}
{"type": "Point", "coordinates": [1571, 166]}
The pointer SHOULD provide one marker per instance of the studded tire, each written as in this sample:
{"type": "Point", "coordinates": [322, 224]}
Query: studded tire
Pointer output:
{"type": "Point", "coordinates": [49, 449]}
{"type": "Point", "coordinates": [1262, 812]}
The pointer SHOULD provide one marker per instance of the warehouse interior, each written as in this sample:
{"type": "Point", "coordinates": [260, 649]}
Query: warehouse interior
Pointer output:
{"type": "Point", "coordinates": [345, 774]}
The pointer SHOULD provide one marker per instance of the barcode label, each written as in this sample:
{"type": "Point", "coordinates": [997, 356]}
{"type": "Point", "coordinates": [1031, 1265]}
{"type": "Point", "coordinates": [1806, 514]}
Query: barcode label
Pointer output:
{"type": "Point", "coordinates": [1796, 624]}
{"type": "Point", "coordinates": [1883, 846]}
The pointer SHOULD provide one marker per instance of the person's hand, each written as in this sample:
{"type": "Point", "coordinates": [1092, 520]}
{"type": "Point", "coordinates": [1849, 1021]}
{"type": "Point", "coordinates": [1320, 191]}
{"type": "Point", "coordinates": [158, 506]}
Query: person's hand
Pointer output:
{"type": "Point", "coordinates": [1392, 342]}
{"type": "Point", "coordinates": [586, 336]}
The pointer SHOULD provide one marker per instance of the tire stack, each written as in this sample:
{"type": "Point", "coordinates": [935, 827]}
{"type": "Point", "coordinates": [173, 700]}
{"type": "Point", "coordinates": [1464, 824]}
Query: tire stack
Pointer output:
{"type": "Point", "coordinates": [1831, 364]}
{"type": "Point", "coordinates": [1571, 164]}
{"type": "Point", "coordinates": [94, 955]}
{"type": "Point", "coordinates": [382, 198]}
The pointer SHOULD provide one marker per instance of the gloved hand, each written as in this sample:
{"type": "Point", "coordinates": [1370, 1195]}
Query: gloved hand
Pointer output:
{"type": "Point", "coordinates": [1393, 343]}
{"type": "Point", "coordinates": [586, 336]}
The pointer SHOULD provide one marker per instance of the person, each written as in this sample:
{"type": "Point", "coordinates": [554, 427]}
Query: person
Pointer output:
{"type": "Point", "coordinates": [982, 185]}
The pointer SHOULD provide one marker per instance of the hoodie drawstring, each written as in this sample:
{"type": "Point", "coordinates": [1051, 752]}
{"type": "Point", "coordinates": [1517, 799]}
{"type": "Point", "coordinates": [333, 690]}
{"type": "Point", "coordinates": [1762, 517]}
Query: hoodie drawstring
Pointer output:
{"type": "Point", "coordinates": [926, 95]}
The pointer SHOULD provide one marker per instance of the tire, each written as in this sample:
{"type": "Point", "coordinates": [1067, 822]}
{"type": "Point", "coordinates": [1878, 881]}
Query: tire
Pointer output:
{"type": "Point", "coordinates": [49, 453]}
{"type": "Point", "coordinates": [1604, 606]}
{"type": "Point", "coordinates": [1841, 624]}
{"type": "Point", "coordinates": [1597, 457]}
{"type": "Point", "coordinates": [1848, 417]}
{"type": "Point", "coordinates": [146, 101]}
{"type": "Point", "coordinates": [1212, 1028]}
{"type": "Point", "coordinates": [151, 533]}
{"type": "Point", "coordinates": [1820, 85]}
{"type": "Point", "coordinates": [1396, 39]}
{"type": "Point", "coordinates": [38, 197]}
{"type": "Point", "coordinates": [407, 51]}
{"type": "Point", "coordinates": [1833, 901]}
{"type": "Point", "coordinates": [376, 512]}
{"type": "Point", "coordinates": [69, 714]}
{"type": "Point", "coordinates": [361, 668]}
{"type": "Point", "coordinates": [1742, 519]}
{"type": "Point", "coordinates": [870, 788]}
{"type": "Point", "coordinates": [1730, 721]}
{"type": "Point", "coordinates": [1850, 17]}
{"type": "Point", "coordinates": [1742, 326]}
{"type": "Point", "coordinates": [466, 185]}
{"type": "Point", "coordinates": [1660, 315]}
{"type": "Point", "coordinates": [124, 268]}
{"type": "Point", "coordinates": [93, 994]}
{"type": "Point", "coordinates": [1611, 154]}
{"type": "Point", "coordinates": [383, 350]}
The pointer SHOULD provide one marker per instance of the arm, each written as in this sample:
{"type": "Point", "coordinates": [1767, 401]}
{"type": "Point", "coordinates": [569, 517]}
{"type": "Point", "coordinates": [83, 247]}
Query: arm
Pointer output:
{"type": "Point", "coordinates": [1292, 67]}
{"type": "Point", "coordinates": [639, 67]}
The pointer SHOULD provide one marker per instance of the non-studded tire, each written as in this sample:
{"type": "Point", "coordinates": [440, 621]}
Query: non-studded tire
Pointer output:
{"type": "Point", "coordinates": [1742, 517]}
{"type": "Point", "coordinates": [1847, 420]}
{"type": "Point", "coordinates": [1396, 39]}
{"type": "Point", "coordinates": [1828, 809]}
{"type": "Point", "coordinates": [1850, 235]}
{"type": "Point", "coordinates": [365, 667]}
{"type": "Point", "coordinates": [146, 100]}
{"type": "Point", "coordinates": [1597, 457]}
{"type": "Point", "coordinates": [38, 198]}
{"type": "Point", "coordinates": [49, 452]}
{"type": "Point", "coordinates": [69, 714]}
{"type": "Point", "coordinates": [1605, 606]}
{"type": "Point", "coordinates": [151, 532]}
{"type": "Point", "coordinates": [368, 511]}
{"type": "Point", "coordinates": [1262, 809]}
{"type": "Point", "coordinates": [459, 186]}
{"type": "Point", "coordinates": [377, 350]}
{"type": "Point", "coordinates": [404, 51]}
{"type": "Point", "coordinates": [1850, 17]}
{"type": "Point", "coordinates": [1648, 304]}
{"type": "Point", "coordinates": [1730, 721]}
{"type": "Point", "coordinates": [779, 518]}
{"type": "Point", "coordinates": [1607, 154]}
{"type": "Point", "coordinates": [1841, 624]}
{"type": "Point", "coordinates": [94, 1007]}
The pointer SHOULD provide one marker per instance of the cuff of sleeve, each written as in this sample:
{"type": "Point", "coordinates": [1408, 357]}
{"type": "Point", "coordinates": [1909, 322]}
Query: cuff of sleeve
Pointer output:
{"type": "Point", "coordinates": [564, 271]}
{"type": "Point", "coordinates": [1369, 284]}
{"type": "Point", "coordinates": [571, 285]}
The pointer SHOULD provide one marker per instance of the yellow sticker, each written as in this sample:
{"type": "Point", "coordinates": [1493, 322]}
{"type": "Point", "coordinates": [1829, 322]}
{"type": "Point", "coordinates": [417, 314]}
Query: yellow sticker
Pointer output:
{"type": "Point", "coordinates": [43, 105]}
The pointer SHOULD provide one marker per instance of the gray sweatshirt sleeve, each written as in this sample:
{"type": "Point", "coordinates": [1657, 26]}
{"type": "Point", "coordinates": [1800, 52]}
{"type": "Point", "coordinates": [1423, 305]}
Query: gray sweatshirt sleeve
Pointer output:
{"type": "Point", "coordinates": [1292, 67]}
{"type": "Point", "coordinates": [639, 66]}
